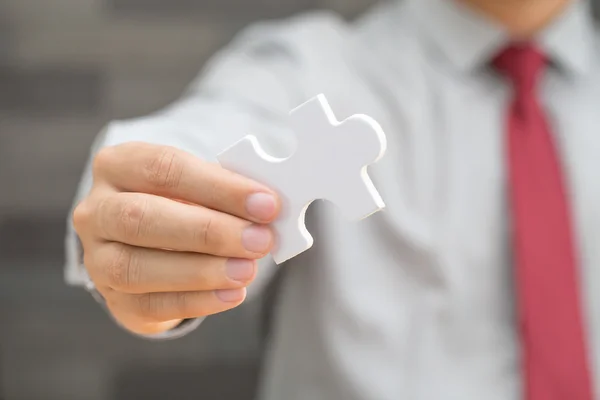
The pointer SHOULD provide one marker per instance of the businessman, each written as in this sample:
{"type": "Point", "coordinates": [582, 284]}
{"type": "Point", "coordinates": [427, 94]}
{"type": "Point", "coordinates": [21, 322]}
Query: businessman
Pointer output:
{"type": "Point", "coordinates": [480, 280]}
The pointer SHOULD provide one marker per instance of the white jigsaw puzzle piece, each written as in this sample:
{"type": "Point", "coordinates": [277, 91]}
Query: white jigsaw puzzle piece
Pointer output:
{"type": "Point", "coordinates": [330, 163]}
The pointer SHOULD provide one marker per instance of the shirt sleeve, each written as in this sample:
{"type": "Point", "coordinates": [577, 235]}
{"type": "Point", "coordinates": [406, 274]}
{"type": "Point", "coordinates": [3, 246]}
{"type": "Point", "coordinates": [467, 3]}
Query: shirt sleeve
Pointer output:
{"type": "Point", "coordinates": [248, 87]}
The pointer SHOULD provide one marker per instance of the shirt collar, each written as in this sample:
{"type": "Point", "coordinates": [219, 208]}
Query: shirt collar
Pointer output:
{"type": "Point", "coordinates": [469, 40]}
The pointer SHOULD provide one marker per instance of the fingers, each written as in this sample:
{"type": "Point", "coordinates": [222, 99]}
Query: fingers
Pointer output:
{"type": "Point", "coordinates": [173, 173]}
{"type": "Point", "coordinates": [156, 222]}
{"type": "Point", "coordinates": [137, 270]}
{"type": "Point", "coordinates": [169, 237]}
{"type": "Point", "coordinates": [152, 308]}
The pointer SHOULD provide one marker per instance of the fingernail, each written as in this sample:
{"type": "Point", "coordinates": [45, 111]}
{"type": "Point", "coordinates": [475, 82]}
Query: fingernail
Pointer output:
{"type": "Point", "coordinates": [257, 239]}
{"type": "Point", "coordinates": [231, 295]}
{"type": "Point", "coordinates": [261, 206]}
{"type": "Point", "coordinates": [240, 270]}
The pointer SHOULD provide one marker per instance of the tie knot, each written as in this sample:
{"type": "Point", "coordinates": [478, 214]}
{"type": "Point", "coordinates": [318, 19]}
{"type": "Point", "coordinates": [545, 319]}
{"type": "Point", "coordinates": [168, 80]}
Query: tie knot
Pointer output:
{"type": "Point", "coordinates": [522, 64]}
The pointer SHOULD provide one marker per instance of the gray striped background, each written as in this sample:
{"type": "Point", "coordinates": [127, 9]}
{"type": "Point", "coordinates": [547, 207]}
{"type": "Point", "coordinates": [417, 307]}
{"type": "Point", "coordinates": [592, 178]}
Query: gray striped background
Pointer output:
{"type": "Point", "coordinates": [67, 67]}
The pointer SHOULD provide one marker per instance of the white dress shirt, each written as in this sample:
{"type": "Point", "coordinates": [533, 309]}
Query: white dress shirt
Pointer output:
{"type": "Point", "coordinates": [417, 301]}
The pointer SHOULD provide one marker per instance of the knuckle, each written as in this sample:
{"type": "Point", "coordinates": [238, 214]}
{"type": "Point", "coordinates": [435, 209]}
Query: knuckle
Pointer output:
{"type": "Point", "coordinates": [187, 305]}
{"type": "Point", "coordinates": [103, 160]}
{"type": "Point", "coordinates": [121, 268]}
{"type": "Point", "coordinates": [104, 214]}
{"type": "Point", "coordinates": [153, 307]}
{"type": "Point", "coordinates": [130, 217]}
{"type": "Point", "coordinates": [146, 306]}
{"type": "Point", "coordinates": [165, 169]}
{"type": "Point", "coordinates": [207, 235]}
{"type": "Point", "coordinates": [179, 303]}
{"type": "Point", "coordinates": [206, 231]}
{"type": "Point", "coordinates": [213, 191]}
{"type": "Point", "coordinates": [81, 216]}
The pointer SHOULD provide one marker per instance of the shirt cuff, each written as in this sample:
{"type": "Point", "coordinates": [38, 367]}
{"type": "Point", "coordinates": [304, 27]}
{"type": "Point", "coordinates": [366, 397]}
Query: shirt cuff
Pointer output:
{"type": "Point", "coordinates": [181, 330]}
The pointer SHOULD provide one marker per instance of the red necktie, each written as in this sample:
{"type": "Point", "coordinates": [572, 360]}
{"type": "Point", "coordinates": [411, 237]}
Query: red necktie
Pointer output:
{"type": "Point", "coordinates": [551, 324]}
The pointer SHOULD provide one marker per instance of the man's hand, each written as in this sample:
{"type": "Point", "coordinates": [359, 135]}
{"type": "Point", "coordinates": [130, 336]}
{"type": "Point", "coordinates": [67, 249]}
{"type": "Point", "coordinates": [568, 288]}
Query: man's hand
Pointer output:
{"type": "Point", "coordinates": [168, 237]}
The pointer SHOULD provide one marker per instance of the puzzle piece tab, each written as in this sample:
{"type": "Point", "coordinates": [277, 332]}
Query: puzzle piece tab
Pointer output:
{"type": "Point", "coordinates": [330, 163]}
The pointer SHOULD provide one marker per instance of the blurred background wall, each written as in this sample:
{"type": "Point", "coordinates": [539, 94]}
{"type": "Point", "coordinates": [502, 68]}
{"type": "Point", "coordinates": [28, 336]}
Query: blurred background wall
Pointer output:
{"type": "Point", "coordinates": [66, 68]}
